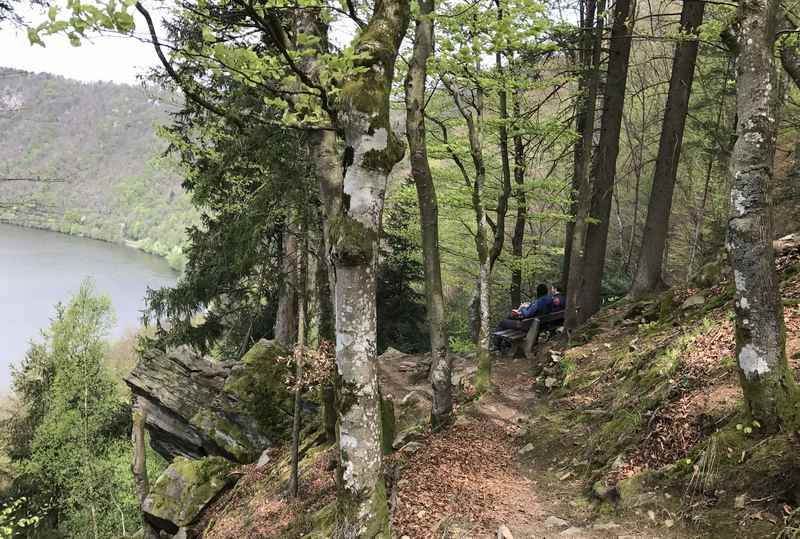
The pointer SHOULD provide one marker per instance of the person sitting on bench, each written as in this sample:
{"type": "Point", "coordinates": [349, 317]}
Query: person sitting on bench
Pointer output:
{"type": "Point", "coordinates": [516, 320]}
{"type": "Point", "coordinates": [559, 301]}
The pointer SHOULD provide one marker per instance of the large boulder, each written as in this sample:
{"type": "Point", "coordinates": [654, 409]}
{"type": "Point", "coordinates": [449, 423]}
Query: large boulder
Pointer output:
{"type": "Point", "coordinates": [196, 407]}
{"type": "Point", "coordinates": [180, 495]}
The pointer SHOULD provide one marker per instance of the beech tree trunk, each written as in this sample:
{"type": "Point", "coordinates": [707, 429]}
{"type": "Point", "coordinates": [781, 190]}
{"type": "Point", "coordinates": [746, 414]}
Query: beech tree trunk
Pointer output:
{"type": "Point", "coordinates": [354, 213]}
{"type": "Point", "coordinates": [648, 271]}
{"type": "Point", "coordinates": [440, 375]}
{"type": "Point", "coordinates": [770, 393]}
{"type": "Point", "coordinates": [604, 164]}
{"type": "Point", "coordinates": [572, 279]}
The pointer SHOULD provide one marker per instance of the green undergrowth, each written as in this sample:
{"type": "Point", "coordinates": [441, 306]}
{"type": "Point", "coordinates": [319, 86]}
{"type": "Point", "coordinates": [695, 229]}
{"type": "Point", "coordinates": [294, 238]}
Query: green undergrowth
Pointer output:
{"type": "Point", "coordinates": [608, 411]}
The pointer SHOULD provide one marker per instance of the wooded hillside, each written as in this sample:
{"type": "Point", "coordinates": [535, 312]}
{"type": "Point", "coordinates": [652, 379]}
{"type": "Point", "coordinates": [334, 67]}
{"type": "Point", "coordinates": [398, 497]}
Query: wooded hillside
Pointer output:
{"type": "Point", "coordinates": [99, 140]}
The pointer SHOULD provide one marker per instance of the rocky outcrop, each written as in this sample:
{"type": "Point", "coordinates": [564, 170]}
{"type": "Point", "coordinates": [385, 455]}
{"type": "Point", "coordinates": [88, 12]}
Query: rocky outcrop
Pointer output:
{"type": "Point", "coordinates": [197, 407]}
{"type": "Point", "coordinates": [179, 496]}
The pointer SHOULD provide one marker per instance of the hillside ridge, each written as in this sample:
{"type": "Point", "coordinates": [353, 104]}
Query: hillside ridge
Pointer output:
{"type": "Point", "coordinates": [99, 141]}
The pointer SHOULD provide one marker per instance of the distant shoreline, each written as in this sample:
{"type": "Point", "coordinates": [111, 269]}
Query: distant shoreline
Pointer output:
{"type": "Point", "coordinates": [132, 244]}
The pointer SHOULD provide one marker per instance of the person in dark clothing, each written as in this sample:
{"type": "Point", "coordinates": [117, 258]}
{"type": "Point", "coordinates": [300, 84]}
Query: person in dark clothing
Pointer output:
{"type": "Point", "coordinates": [559, 301]}
{"type": "Point", "coordinates": [542, 305]}
{"type": "Point", "coordinates": [517, 319]}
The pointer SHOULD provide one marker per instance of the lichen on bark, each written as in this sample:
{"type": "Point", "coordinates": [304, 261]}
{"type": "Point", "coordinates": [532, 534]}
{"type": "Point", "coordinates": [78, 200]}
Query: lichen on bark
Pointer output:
{"type": "Point", "coordinates": [770, 393]}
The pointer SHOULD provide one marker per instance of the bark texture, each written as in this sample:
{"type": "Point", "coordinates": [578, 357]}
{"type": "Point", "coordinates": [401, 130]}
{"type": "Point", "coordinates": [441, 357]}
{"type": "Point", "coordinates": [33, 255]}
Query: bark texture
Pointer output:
{"type": "Point", "coordinates": [286, 316]}
{"type": "Point", "coordinates": [139, 464]}
{"type": "Point", "coordinates": [522, 207]}
{"type": "Point", "coordinates": [440, 375]}
{"type": "Point", "coordinates": [603, 171]}
{"type": "Point", "coordinates": [584, 126]}
{"type": "Point", "coordinates": [574, 250]}
{"type": "Point", "coordinates": [770, 393]}
{"type": "Point", "coordinates": [648, 273]}
{"type": "Point", "coordinates": [371, 150]}
{"type": "Point", "coordinates": [302, 301]}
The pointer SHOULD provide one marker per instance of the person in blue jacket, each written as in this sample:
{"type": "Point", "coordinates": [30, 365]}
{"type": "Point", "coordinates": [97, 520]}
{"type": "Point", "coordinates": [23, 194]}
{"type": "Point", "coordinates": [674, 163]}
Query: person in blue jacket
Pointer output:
{"type": "Point", "coordinates": [543, 304]}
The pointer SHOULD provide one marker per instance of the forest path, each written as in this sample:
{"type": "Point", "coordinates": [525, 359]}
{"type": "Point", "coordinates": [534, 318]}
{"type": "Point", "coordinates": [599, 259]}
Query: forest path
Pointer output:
{"type": "Point", "coordinates": [479, 478]}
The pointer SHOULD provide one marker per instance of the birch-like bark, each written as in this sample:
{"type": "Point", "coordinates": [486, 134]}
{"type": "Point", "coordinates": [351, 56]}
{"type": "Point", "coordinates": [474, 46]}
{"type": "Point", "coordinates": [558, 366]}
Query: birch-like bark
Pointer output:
{"type": "Point", "coordinates": [371, 150]}
{"type": "Point", "coordinates": [770, 392]}
{"type": "Point", "coordinates": [648, 271]}
{"type": "Point", "coordinates": [440, 375]}
{"type": "Point", "coordinates": [588, 106]}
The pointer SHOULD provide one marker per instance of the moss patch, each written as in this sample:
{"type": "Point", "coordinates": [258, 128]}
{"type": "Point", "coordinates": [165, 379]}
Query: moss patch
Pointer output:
{"type": "Point", "coordinates": [181, 493]}
{"type": "Point", "coordinates": [258, 384]}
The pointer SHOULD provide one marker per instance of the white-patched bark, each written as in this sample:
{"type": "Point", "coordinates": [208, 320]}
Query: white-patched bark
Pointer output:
{"type": "Point", "coordinates": [769, 389]}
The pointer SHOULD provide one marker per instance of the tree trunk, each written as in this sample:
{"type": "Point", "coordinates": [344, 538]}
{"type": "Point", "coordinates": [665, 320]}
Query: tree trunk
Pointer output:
{"type": "Point", "coordinates": [302, 268]}
{"type": "Point", "coordinates": [483, 232]}
{"type": "Point", "coordinates": [354, 213]}
{"type": "Point", "coordinates": [327, 332]}
{"type": "Point", "coordinates": [522, 208]}
{"type": "Point", "coordinates": [442, 406]}
{"type": "Point", "coordinates": [574, 268]}
{"type": "Point", "coordinates": [139, 463]}
{"type": "Point", "coordinates": [286, 316]}
{"type": "Point", "coordinates": [604, 164]}
{"type": "Point", "coordinates": [648, 271]}
{"type": "Point", "coordinates": [769, 390]}
{"type": "Point", "coordinates": [584, 125]}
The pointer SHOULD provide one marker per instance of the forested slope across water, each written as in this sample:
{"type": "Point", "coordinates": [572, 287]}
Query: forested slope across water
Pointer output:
{"type": "Point", "coordinates": [100, 139]}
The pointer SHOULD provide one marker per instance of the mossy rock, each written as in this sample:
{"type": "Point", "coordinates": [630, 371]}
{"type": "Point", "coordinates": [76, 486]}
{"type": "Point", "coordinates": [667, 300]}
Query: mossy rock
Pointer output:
{"type": "Point", "coordinates": [184, 490]}
{"type": "Point", "coordinates": [324, 523]}
{"type": "Point", "coordinates": [227, 435]}
{"type": "Point", "coordinates": [258, 384]}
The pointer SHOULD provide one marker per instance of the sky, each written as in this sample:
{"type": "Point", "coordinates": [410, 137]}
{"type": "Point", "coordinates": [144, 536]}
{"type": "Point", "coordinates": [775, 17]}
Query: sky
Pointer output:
{"type": "Point", "coordinates": [112, 58]}
{"type": "Point", "coordinates": [104, 58]}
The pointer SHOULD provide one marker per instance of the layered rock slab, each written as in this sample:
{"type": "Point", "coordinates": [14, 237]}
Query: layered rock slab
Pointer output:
{"type": "Point", "coordinates": [197, 407]}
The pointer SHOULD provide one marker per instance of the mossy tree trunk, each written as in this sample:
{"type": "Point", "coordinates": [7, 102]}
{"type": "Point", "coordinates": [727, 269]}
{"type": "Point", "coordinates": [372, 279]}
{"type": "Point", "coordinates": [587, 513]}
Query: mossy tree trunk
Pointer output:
{"type": "Point", "coordinates": [648, 271]}
{"type": "Point", "coordinates": [371, 150]}
{"type": "Point", "coordinates": [440, 375]}
{"type": "Point", "coordinates": [489, 237]}
{"type": "Point", "coordinates": [770, 392]}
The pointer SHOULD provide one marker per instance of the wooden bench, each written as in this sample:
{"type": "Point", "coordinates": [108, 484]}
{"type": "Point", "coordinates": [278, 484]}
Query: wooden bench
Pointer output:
{"type": "Point", "coordinates": [528, 337]}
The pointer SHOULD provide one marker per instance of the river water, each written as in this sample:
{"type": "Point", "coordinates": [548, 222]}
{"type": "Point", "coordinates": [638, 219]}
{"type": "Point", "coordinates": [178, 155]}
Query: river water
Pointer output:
{"type": "Point", "coordinates": [40, 268]}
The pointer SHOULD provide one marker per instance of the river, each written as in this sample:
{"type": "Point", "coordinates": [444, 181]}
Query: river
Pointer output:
{"type": "Point", "coordinates": [40, 268]}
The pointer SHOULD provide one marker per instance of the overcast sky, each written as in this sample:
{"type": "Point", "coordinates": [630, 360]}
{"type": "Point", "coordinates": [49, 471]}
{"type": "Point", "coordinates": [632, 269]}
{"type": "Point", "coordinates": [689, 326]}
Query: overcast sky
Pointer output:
{"type": "Point", "coordinates": [104, 58]}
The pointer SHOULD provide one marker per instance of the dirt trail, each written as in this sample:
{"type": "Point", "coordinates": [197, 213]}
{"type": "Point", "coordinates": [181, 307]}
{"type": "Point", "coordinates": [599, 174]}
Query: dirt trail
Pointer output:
{"type": "Point", "coordinates": [479, 476]}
